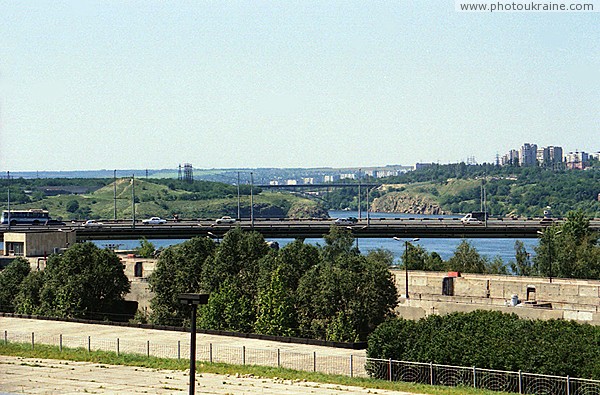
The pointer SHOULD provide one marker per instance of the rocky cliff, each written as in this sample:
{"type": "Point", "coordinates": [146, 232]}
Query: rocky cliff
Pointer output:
{"type": "Point", "coordinates": [402, 202]}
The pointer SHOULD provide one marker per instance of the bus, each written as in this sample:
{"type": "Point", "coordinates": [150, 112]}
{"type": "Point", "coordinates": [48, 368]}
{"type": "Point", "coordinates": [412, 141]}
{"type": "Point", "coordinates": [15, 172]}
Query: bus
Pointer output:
{"type": "Point", "coordinates": [25, 217]}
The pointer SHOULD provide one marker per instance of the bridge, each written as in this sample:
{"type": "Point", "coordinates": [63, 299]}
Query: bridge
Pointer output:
{"type": "Point", "coordinates": [441, 227]}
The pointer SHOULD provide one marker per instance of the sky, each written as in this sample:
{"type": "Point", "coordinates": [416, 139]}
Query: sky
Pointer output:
{"type": "Point", "coordinates": [87, 85]}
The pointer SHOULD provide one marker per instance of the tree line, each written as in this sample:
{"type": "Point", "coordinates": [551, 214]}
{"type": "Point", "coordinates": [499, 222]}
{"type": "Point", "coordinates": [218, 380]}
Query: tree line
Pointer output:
{"type": "Point", "coordinates": [568, 250]}
{"type": "Point", "coordinates": [329, 292]}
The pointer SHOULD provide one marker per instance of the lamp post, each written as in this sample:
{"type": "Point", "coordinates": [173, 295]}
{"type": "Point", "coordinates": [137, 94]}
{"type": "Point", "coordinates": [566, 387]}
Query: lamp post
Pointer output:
{"type": "Point", "coordinates": [193, 300]}
{"type": "Point", "coordinates": [550, 248]}
{"type": "Point", "coordinates": [406, 243]}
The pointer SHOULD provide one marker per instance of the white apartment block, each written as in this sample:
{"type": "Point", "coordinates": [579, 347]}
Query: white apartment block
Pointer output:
{"type": "Point", "coordinates": [577, 160]}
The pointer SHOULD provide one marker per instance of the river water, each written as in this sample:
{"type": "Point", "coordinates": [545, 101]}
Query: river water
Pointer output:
{"type": "Point", "coordinates": [490, 248]}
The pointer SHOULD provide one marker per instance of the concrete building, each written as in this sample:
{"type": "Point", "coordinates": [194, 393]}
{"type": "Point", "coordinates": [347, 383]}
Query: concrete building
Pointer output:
{"type": "Point", "coordinates": [528, 155]}
{"type": "Point", "coordinates": [511, 158]}
{"type": "Point", "coordinates": [36, 244]}
{"type": "Point", "coordinates": [577, 160]}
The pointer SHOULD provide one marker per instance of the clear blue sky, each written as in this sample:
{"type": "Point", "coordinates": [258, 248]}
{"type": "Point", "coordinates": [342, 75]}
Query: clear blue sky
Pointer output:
{"type": "Point", "coordinates": [151, 84]}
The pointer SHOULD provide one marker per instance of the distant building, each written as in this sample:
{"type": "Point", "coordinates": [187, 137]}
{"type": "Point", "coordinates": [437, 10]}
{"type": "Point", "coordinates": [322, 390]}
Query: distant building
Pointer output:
{"type": "Point", "coordinates": [291, 182]}
{"type": "Point", "coordinates": [348, 176]}
{"type": "Point", "coordinates": [577, 160]}
{"type": "Point", "coordinates": [419, 166]}
{"type": "Point", "coordinates": [308, 180]}
{"type": "Point", "coordinates": [331, 178]}
{"type": "Point", "coordinates": [274, 182]}
{"type": "Point", "coordinates": [549, 156]}
{"type": "Point", "coordinates": [528, 155]}
{"type": "Point", "coordinates": [511, 158]}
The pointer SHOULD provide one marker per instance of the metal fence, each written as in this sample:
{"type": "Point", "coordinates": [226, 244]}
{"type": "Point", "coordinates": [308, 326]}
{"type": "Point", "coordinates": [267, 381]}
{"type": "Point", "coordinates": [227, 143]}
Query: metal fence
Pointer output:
{"type": "Point", "coordinates": [353, 365]}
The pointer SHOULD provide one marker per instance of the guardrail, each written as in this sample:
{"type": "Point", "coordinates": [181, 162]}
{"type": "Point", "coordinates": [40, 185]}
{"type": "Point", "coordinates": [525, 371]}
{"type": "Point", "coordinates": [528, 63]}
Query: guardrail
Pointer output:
{"type": "Point", "coordinates": [352, 365]}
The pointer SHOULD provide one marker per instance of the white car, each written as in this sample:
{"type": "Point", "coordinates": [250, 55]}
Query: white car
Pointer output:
{"type": "Point", "coordinates": [225, 220]}
{"type": "Point", "coordinates": [90, 223]}
{"type": "Point", "coordinates": [154, 221]}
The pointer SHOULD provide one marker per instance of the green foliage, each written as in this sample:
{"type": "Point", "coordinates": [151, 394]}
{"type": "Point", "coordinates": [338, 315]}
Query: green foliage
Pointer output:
{"type": "Point", "coordinates": [570, 250]}
{"type": "Point", "coordinates": [276, 313]}
{"type": "Point", "coordinates": [523, 265]}
{"type": "Point", "coordinates": [510, 189]}
{"type": "Point", "coordinates": [72, 206]}
{"type": "Point", "coordinates": [466, 259]}
{"type": "Point", "coordinates": [346, 295]}
{"type": "Point", "coordinates": [146, 249]}
{"type": "Point", "coordinates": [85, 280]}
{"type": "Point", "coordinates": [10, 281]}
{"type": "Point", "coordinates": [229, 308]}
{"type": "Point", "coordinates": [177, 271]}
{"type": "Point", "coordinates": [492, 340]}
{"type": "Point", "coordinates": [28, 299]}
{"type": "Point", "coordinates": [330, 292]}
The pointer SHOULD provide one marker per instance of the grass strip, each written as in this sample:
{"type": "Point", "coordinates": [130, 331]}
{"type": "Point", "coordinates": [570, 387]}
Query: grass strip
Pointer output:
{"type": "Point", "coordinates": [43, 351]}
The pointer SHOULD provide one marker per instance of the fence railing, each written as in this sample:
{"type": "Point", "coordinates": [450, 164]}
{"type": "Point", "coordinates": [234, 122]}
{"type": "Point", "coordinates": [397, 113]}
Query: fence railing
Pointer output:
{"type": "Point", "coordinates": [352, 365]}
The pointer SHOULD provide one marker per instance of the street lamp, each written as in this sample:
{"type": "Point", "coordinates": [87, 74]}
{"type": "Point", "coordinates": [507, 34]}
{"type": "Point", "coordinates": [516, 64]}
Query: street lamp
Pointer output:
{"type": "Point", "coordinates": [406, 243]}
{"type": "Point", "coordinates": [193, 300]}
{"type": "Point", "coordinates": [550, 248]}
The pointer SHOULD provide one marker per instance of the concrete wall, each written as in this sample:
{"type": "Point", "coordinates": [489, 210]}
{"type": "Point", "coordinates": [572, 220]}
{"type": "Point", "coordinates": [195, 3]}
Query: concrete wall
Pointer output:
{"type": "Point", "coordinates": [554, 298]}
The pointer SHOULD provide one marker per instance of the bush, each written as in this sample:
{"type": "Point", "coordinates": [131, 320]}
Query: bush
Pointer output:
{"type": "Point", "coordinates": [492, 340]}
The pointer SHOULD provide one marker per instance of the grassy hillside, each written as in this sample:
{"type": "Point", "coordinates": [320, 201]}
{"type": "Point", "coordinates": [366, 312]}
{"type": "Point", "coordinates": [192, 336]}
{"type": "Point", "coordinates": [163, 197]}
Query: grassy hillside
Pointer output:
{"type": "Point", "coordinates": [158, 199]}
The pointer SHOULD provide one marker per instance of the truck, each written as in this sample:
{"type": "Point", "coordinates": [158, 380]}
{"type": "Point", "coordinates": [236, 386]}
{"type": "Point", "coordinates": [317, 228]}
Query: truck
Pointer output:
{"type": "Point", "coordinates": [475, 216]}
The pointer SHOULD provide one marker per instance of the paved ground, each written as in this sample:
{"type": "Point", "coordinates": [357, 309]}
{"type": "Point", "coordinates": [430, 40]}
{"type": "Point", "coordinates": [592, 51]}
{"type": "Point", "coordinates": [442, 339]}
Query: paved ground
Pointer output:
{"type": "Point", "coordinates": [35, 376]}
{"type": "Point", "coordinates": [46, 329]}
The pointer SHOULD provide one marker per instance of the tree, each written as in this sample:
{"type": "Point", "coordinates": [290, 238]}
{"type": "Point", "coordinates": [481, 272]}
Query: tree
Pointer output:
{"type": "Point", "coordinates": [146, 249]}
{"type": "Point", "coordinates": [569, 250]}
{"type": "Point", "coordinates": [346, 295]}
{"type": "Point", "coordinates": [178, 271]}
{"type": "Point", "coordinates": [466, 259]}
{"type": "Point", "coordinates": [276, 312]}
{"type": "Point", "coordinates": [83, 281]}
{"type": "Point", "coordinates": [28, 299]}
{"type": "Point", "coordinates": [229, 308]}
{"type": "Point", "coordinates": [523, 265]}
{"type": "Point", "coordinates": [10, 281]}
{"type": "Point", "coordinates": [72, 206]}
{"type": "Point", "coordinates": [237, 256]}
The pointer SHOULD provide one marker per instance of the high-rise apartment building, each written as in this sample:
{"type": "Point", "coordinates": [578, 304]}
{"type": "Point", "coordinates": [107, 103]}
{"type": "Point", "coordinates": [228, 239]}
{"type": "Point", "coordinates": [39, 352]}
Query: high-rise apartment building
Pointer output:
{"type": "Point", "coordinates": [528, 155]}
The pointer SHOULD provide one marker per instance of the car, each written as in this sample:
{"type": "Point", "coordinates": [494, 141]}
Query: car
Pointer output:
{"type": "Point", "coordinates": [471, 220]}
{"type": "Point", "coordinates": [225, 220]}
{"type": "Point", "coordinates": [154, 221]}
{"type": "Point", "coordinates": [90, 223]}
{"type": "Point", "coordinates": [346, 221]}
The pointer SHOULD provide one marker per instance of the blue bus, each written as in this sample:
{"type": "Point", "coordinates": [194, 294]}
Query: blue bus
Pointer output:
{"type": "Point", "coordinates": [25, 217]}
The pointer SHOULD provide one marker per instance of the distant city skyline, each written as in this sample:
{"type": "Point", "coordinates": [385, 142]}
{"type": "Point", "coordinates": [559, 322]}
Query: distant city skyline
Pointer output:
{"type": "Point", "coordinates": [133, 85]}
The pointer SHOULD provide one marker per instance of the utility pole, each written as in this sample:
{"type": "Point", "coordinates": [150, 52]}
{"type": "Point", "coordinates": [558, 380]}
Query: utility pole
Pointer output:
{"type": "Point", "coordinates": [252, 199]}
{"type": "Point", "coordinates": [238, 192]}
{"type": "Point", "coordinates": [359, 212]}
{"type": "Point", "coordinates": [133, 199]}
{"type": "Point", "coordinates": [8, 196]}
{"type": "Point", "coordinates": [115, 192]}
